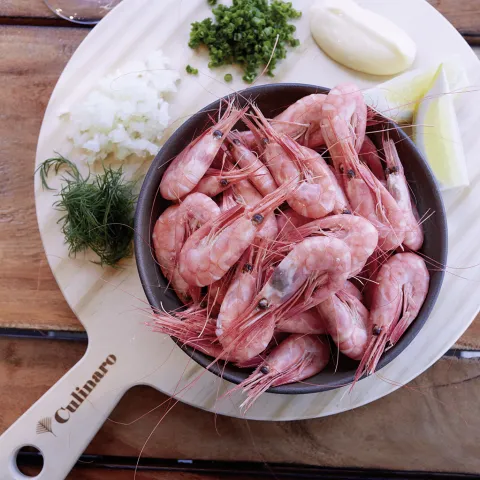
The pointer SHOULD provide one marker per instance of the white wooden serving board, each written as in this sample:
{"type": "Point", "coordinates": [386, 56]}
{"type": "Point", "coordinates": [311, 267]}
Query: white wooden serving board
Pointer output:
{"type": "Point", "coordinates": [122, 351]}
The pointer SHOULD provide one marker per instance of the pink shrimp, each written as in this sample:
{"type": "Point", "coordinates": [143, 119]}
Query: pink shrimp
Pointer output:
{"type": "Point", "coordinates": [239, 296]}
{"type": "Point", "coordinates": [308, 322]}
{"type": "Point", "coordinates": [401, 288]}
{"type": "Point", "coordinates": [397, 185]}
{"type": "Point", "coordinates": [295, 359]}
{"type": "Point", "coordinates": [249, 139]}
{"type": "Point", "coordinates": [246, 194]}
{"type": "Point", "coordinates": [195, 210]}
{"type": "Point", "coordinates": [321, 264]}
{"type": "Point", "coordinates": [166, 253]}
{"type": "Point", "coordinates": [347, 321]}
{"type": "Point", "coordinates": [346, 101]}
{"type": "Point", "coordinates": [288, 161]}
{"type": "Point", "coordinates": [352, 290]}
{"type": "Point", "coordinates": [261, 177]}
{"type": "Point", "coordinates": [217, 292]}
{"type": "Point", "coordinates": [342, 205]}
{"type": "Point", "coordinates": [301, 121]}
{"type": "Point", "coordinates": [213, 249]}
{"type": "Point", "coordinates": [186, 170]}
{"type": "Point", "coordinates": [367, 196]}
{"type": "Point", "coordinates": [216, 180]}
{"type": "Point", "coordinates": [357, 232]}
{"type": "Point", "coordinates": [369, 155]}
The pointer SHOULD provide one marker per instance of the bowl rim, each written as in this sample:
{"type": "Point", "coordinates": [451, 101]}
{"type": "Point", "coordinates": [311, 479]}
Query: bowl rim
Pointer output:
{"type": "Point", "coordinates": [143, 254]}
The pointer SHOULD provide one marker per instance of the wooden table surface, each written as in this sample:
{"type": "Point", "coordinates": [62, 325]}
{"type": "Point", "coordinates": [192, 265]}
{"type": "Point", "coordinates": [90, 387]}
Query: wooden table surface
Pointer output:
{"type": "Point", "coordinates": [432, 423]}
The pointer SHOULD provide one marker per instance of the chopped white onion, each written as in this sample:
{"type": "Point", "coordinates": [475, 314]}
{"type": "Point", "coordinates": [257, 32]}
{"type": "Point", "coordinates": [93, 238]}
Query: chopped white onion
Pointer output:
{"type": "Point", "coordinates": [126, 114]}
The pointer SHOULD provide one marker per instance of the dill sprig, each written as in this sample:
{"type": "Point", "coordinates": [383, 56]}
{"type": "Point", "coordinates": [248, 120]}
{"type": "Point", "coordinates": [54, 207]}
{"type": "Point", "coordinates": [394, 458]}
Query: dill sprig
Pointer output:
{"type": "Point", "coordinates": [98, 210]}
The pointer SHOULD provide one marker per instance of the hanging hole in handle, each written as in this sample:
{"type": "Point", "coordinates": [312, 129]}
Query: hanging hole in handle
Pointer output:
{"type": "Point", "coordinates": [29, 461]}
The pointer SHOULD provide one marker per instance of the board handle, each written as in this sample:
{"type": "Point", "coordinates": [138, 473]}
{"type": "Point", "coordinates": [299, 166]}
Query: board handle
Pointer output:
{"type": "Point", "coordinates": [62, 423]}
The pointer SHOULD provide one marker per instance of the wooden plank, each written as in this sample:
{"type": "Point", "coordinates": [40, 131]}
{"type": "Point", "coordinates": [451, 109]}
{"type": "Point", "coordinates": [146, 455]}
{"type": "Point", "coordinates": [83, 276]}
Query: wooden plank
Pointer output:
{"type": "Point", "coordinates": [32, 60]}
{"type": "Point", "coordinates": [433, 422]}
{"type": "Point", "coordinates": [464, 15]}
{"type": "Point", "coordinates": [25, 8]}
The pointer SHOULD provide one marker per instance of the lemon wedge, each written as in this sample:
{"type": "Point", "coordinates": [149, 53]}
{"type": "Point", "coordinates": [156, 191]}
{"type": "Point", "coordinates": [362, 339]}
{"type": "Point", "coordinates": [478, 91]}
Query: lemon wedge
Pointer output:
{"type": "Point", "coordinates": [437, 134]}
{"type": "Point", "coordinates": [399, 97]}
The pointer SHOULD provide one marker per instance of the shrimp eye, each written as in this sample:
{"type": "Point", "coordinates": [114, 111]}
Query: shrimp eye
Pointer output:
{"type": "Point", "coordinates": [248, 267]}
{"type": "Point", "coordinates": [390, 170]}
{"type": "Point", "coordinates": [218, 134]}
{"type": "Point", "coordinates": [377, 330]}
{"type": "Point", "coordinates": [223, 182]}
{"type": "Point", "coordinates": [203, 304]}
{"type": "Point", "coordinates": [236, 141]}
{"type": "Point", "coordinates": [265, 370]}
{"type": "Point", "coordinates": [265, 141]}
{"type": "Point", "coordinates": [351, 174]}
{"type": "Point", "coordinates": [263, 304]}
{"type": "Point", "coordinates": [257, 219]}
{"type": "Point", "coordinates": [347, 212]}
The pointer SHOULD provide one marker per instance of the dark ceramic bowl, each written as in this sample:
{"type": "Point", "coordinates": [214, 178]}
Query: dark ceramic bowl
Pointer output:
{"type": "Point", "coordinates": [272, 99]}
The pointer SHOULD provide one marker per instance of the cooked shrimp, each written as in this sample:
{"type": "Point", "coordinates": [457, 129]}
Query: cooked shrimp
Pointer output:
{"type": "Point", "coordinates": [367, 196]}
{"type": "Point", "coordinates": [400, 290]}
{"type": "Point", "coordinates": [341, 205]}
{"type": "Point", "coordinates": [346, 101]}
{"type": "Point", "coordinates": [397, 185]}
{"type": "Point", "coordinates": [186, 170]}
{"type": "Point", "coordinates": [315, 263]}
{"type": "Point", "coordinates": [246, 194]}
{"type": "Point", "coordinates": [347, 321]}
{"type": "Point", "coordinates": [249, 139]}
{"type": "Point", "coordinates": [195, 210]}
{"type": "Point", "coordinates": [260, 177]}
{"type": "Point", "coordinates": [166, 252]}
{"type": "Point", "coordinates": [288, 161]}
{"type": "Point", "coordinates": [240, 292]}
{"type": "Point", "coordinates": [357, 232]}
{"type": "Point", "coordinates": [308, 322]}
{"type": "Point", "coordinates": [369, 155]}
{"type": "Point", "coordinates": [352, 290]}
{"type": "Point", "coordinates": [301, 121]}
{"type": "Point", "coordinates": [213, 249]}
{"type": "Point", "coordinates": [239, 296]}
{"type": "Point", "coordinates": [295, 359]}
{"type": "Point", "coordinates": [216, 180]}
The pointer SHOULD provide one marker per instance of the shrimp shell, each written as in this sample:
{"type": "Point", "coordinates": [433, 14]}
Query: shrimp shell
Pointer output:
{"type": "Point", "coordinates": [308, 323]}
{"type": "Point", "coordinates": [165, 247]}
{"type": "Point", "coordinates": [400, 290]}
{"type": "Point", "coordinates": [347, 321]}
{"type": "Point", "coordinates": [213, 249]}
{"type": "Point", "coordinates": [260, 177]}
{"type": "Point", "coordinates": [295, 359]}
{"type": "Point", "coordinates": [187, 169]}
{"type": "Point", "coordinates": [357, 232]}
{"type": "Point", "coordinates": [397, 185]}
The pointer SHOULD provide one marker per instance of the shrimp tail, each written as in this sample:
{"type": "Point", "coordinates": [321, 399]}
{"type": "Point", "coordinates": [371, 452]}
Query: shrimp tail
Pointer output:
{"type": "Point", "coordinates": [368, 363]}
{"type": "Point", "coordinates": [405, 320]}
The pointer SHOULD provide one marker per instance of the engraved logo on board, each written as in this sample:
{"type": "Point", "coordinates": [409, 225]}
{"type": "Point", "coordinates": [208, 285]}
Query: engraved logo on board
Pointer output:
{"type": "Point", "coordinates": [78, 396]}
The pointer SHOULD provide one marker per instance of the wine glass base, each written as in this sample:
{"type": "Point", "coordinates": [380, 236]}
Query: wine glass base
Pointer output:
{"type": "Point", "coordinates": [85, 12]}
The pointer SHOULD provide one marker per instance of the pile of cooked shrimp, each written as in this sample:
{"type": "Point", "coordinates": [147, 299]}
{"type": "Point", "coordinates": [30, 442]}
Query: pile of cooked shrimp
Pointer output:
{"type": "Point", "coordinates": [295, 229]}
